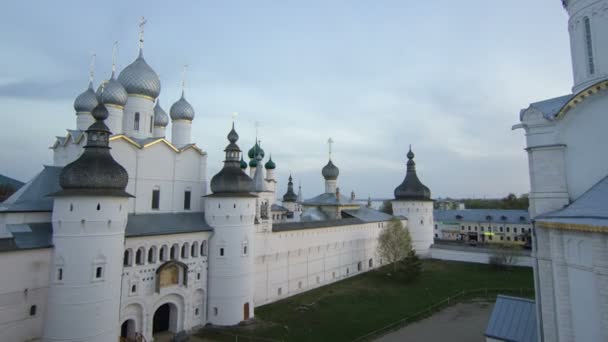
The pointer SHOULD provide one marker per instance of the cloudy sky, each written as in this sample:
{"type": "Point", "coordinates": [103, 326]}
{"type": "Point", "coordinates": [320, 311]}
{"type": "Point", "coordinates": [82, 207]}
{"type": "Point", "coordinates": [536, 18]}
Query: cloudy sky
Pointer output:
{"type": "Point", "coordinates": [448, 77]}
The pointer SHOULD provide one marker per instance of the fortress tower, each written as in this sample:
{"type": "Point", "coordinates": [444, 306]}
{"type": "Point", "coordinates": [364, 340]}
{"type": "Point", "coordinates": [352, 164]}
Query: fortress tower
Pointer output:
{"type": "Point", "coordinates": [413, 200]}
{"type": "Point", "coordinates": [231, 211]}
{"type": "Point", "coordinates": [89, 220]}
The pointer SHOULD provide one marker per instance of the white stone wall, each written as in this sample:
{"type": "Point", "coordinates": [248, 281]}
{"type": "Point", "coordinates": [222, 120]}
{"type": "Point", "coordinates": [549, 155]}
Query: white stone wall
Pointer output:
{"type": "Point", "coordinates": [231, 256]}
{"type": "Point", "coordinates": [140, 295]}
{"type": "Point", "coordinates": [296, 261]}
{"type": "Point", "coordinates": [24, 284]}
{"type": "Point", "coordinates": [84, 120]}
{"type": "Point", "coordinates": [181, 132]}
{"type": "Point", "coordinates": [420, 223]}
{"type": "Point", "coordinates": [145, 107]}
{"type": "Point", "coordinates": [114, 120]}
{"type": "Point", "coordinates": [85, 274]}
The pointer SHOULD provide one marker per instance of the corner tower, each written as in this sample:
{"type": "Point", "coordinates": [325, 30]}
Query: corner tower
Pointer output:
{"type": "Point", "coordinates": [231, 211]}
{"type": "Point", "coordinates": [588, 20]}
{"type": "Point", "coordinates": [89, 219]}
{"type": "Point", "coordinates": [413, 201]}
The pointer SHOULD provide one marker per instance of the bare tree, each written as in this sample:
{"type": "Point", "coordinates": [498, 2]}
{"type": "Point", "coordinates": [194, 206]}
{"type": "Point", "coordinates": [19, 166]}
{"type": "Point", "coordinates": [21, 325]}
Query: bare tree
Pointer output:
{"type": "Point", "coordinates": [394, 242]}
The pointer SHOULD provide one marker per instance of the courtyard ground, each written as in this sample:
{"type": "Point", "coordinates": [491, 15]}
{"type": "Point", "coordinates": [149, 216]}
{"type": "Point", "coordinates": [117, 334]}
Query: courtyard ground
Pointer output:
{"type": "Point", "coordinates": [362, 305]}
{"type": "Point", "coordinates": [463, 322]}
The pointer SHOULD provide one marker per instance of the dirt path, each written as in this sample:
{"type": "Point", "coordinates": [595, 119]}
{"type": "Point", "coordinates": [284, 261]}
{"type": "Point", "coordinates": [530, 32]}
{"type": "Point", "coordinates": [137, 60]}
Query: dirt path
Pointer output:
{"type": "Point", "coordinates": [458, 323]}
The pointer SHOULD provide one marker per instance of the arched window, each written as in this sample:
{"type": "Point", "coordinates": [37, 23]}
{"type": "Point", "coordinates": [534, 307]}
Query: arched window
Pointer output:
{"type": "Point", "coordinates": [139, 256]}
{"type": "Point", "coordinates": [136, 122]}
{"type": "Point", "coordinates": [194, 249]}
{"type": "Point", "coordinates": [589, 46]}
{"type": "Point", "coordinates": [185, 250]}
{"type": "Point", "coordinates": [127, 258]}
{"type": "Point", "coordinates": [163, 253]}
{"type": "Point", "coordinates": [152, 255]}
{"type": "Point", "coordinates": [204, 248]}
{"type": "Point", "coordinates": [173, 254]}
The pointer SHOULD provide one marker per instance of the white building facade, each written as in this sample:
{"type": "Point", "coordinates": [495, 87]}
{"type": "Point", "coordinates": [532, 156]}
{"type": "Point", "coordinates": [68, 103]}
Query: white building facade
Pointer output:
{"type": "Point", "coordinates": [564, 138]}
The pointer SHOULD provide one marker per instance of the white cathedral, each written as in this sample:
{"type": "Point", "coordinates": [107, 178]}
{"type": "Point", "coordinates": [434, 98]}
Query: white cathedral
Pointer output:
{"type": "Point", "coordinates": [121, 237]}
{"type": "Point", "coordinates": [566, 140]}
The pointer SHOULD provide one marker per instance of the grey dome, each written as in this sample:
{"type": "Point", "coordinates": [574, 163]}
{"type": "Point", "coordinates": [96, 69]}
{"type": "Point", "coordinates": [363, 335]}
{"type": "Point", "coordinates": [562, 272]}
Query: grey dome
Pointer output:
{"type": "Point", "coordinates": [412, 188]}
{"type": "Point", "coordinates": [86, 101]}
{"type": "Point", "coordinates": [182, 110]}
{"type": "Point", "coordinates": [330, 171]}
{"type": "Point", "coordinates": [231, 179]}
{"type": "Point", "coordinates": [113, 93]}
{"type": "Point", "coordinates": [161, 119]}
{"type": "Point", "coordinates": [95, 172]}
{"type": "Point", "coordinates": [138, 78]}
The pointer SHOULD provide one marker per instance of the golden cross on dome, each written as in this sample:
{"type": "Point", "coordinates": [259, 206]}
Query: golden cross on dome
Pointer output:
{"type": "Point", "coordinates": [142, 23]}
{"type": "Point", "coordinates": [184, 69]}
{"type": "Point", "coordinates": [330, 141]}
{"type": "Point", "coordinates": [92, 67]}
{"type": "Point", "coordinates": [114, 50]}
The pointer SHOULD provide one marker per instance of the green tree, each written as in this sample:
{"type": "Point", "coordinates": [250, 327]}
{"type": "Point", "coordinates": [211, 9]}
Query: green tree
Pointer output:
{"type": "Point", "coordinates": [394, 243]}
{"type": "Point", "coordinates": [411, 266]}
{"type": "Point", "coordinates": [386, 207]}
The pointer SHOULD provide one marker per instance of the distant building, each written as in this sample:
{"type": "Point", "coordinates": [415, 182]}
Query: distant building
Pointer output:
{"type": "Point", "coordinates": [483, 225]}
{"type": "Point", "coordinates": [8, 186]}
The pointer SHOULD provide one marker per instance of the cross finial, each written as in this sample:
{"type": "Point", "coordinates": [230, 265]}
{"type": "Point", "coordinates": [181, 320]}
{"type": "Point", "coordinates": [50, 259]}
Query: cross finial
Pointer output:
{"type": "Point", "coordinates": [184, 69]}
{"type": "Point", "coordinates": [257, 126]}
{"type": "Point", "coordinates": [92, 67]}
{"type": "Point", "coordinates": [142, 23]}
{"type": "Point", "coordinates": [234, 115]}
{"type": "Point", "coordinates": [114, 50]}
{"type": "Point", "coordinates": [330, 141]}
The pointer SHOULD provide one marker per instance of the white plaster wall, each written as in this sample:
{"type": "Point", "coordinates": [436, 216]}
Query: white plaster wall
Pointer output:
{"type": "Point", "coordinates": [581, 129]}
{"type": "Point", "coordinates": [21, 217]}
{"type": "Point", "coordinates": [231, 276]}
{"type": "Point", "coordinates": [80, 306]}
{"type": "Point", "coordinates": [181, 132]}
{"type": "Point", "coordinates": [145, 107]}
{"type": "Point", "coordinates": [474, 256]}
{"type": "Point", "coordinates": [140, 305]}
{"type": "Point", "coordinates": [419, 223]}
{"type": "Point", "coordinates": [159, 132]}
{"type": "Point", "coordinates": [84, 120]}
{"type": "Point", "coordinates": [300, 260]}
{"type": "Point", "coordinates": [24, 284]}
{"type": "Point", "coordinates": [114, 120]}
{"type": "Point", "coordinates": [65, 154]}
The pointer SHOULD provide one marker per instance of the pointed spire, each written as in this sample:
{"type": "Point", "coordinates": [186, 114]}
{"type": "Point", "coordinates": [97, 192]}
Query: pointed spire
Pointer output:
{"type": "Point", "coordinates": [330, 142]}
{"type": "Point", "coordinates": [290, 196]}
{"type": "Point", "coordinates": [300, 191]}
{"type": "Point", "coordinates": [412, 188]}
{"type": "Point", "coordinates": [184, 69]}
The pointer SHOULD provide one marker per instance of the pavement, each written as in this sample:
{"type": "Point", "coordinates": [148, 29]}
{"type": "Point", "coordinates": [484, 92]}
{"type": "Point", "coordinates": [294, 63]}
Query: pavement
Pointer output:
{"type": "Point", "coordinates": [463, 322]}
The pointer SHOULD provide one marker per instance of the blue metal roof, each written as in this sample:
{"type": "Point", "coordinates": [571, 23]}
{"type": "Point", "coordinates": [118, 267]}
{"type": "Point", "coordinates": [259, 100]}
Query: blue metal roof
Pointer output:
{"type": "Point", "coordinates": [33, 196]}
{"type": "Point", "coordinates": [166, 223]}
{"type": "Point", "coordinates": [513, 319]}
{"type": "Point", "coordinates": [549, 107]}
{"type": "Point", "coordinates": [481, 215]}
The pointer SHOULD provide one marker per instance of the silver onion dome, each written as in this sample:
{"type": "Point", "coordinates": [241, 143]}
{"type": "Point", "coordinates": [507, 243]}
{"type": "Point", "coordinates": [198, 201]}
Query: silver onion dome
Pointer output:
{"type": "Point", "coordinates": [182, 110]}
{"type": "Point", "coordinates": [161, 119]}
{"type": "Point", "coordinates": [86, 101]}
{"type": "Point", "coordinates": [330, 171]}
{"type": "Point", "coordinates": [113, 92]}
{"type": "Point", "coordinates": [138, 78]}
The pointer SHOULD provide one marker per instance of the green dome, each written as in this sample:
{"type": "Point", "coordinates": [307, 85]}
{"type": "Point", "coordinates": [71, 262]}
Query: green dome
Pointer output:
{"type": "Point", "coordinates": [253, 163]}
{"type": "Point", "coordinates": [270, 165]}
{"type": "Point", "coordinates": [255, 150]}
{"type": "Point", "coordinates": [243, 163]}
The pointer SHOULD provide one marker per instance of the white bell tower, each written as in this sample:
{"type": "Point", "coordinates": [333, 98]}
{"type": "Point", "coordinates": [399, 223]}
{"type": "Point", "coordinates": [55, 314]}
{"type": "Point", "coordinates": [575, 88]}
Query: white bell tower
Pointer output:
{"type": "Point", "coordinates": [587, 26]}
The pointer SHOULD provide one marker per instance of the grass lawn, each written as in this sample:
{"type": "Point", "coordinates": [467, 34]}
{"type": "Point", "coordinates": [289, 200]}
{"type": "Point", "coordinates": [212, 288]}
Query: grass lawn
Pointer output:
{"type": "Point", "coordinates": [353, 307]}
